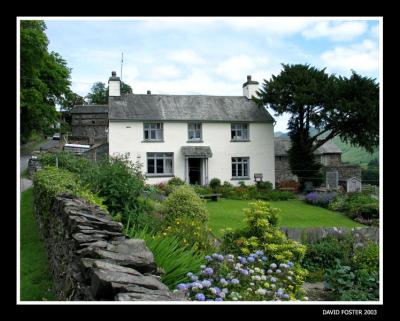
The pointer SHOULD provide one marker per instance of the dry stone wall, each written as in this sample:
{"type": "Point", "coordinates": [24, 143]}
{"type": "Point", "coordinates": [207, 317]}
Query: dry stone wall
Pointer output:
{"type": "Point", "coordinates": [91, 260]}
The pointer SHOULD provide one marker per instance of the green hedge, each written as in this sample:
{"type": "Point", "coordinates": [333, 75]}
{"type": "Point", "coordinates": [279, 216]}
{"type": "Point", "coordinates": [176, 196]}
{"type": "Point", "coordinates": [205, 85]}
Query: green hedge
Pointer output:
{"type": "Point", "coordinates": [52, 181]}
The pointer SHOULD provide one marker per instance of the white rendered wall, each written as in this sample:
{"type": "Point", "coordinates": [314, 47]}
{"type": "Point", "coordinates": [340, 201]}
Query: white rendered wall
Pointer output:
{"type": "Point", "coordinates": [114, 88]}
{"type": "Point", "coordinates": [127, 137]}
{"type": "Point", "coordinates": [250, 90]}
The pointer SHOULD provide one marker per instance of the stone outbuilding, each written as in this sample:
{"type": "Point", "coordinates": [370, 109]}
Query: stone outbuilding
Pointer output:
{"type": "Point", "coordinates": [328, 155]}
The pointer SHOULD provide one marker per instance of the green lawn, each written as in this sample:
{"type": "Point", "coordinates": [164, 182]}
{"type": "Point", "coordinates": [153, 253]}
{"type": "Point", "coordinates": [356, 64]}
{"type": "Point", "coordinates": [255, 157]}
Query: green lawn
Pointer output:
{"type": "Point", "coordinates": [36, 281]}
{"type": "Point", "coordinates": [228, 214]}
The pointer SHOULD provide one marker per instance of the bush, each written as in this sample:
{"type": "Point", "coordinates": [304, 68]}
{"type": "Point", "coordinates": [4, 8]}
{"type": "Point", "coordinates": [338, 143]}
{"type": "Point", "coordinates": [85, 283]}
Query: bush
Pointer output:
{"type": "Point", "coordinates": [73, 163]}
{"type": "Point", "coordinates": [174, 259]}
{"type": "Point", "coordinates": [215, 183]}
{"type": "Point", "coordinates": [320, 199]}
{"type": "Point", "coordinates": [184, 202]}
{"type": "Point", "coordinates": [191, 232]}
{"type": "Point", "coordinates": [276, 195]}
{"type": "Point", "coordinates": [262, 233]}
{"type": "Point", "coordinates": [202, 190]}
{"type": "Point", "coordinates": [324, 253]}
{"type": "Point", "coordinates": [265, 187]}
{"type": "Point", "coordinates": [252, 278]}
{"type": "Point", "coordinates": [175, 181]}
{"type": "Point", "coordinates": [120, 182]}
{"type": "Point", "coordinates": [52, 181]}
{"type": "Point", "coordinates": [356, 205]}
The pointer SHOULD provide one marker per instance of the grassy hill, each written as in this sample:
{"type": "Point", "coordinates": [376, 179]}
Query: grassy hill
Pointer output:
{"type": "Point", "coordinates": [350, 154]}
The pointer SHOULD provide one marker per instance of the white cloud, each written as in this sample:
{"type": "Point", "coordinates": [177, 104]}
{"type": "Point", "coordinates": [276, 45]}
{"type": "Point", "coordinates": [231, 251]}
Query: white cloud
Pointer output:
{"type": "Point", "coordinates": [164, 72]}
{"type": "Point", "coordinates": [237, 68]}
{"type": "Point", "coordinates": [375, 31]}
{"type": "Point", "coordinates": [336, 30]}
{"type": "Point", "coordinates": [270, 25]}
{"type": "Point", "coordinates": [362, 57]}
{"type": "Point", "coordinates": [186, 57]}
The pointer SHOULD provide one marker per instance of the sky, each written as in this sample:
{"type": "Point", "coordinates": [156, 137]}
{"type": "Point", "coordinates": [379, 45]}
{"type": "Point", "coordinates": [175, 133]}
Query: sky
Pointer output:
{"type": "Point", "coordinates": [211, 56]}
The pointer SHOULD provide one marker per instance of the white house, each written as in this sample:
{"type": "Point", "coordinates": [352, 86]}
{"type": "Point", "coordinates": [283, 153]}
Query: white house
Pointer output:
{"type": "Point", "coordinates": [193, 137]}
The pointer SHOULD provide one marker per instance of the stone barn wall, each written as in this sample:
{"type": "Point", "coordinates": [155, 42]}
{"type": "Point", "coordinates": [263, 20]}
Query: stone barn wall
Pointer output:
{"type": "Point", "coordinates": [92, 125]}
{"type": "Point", "coordinates": [91, 260]}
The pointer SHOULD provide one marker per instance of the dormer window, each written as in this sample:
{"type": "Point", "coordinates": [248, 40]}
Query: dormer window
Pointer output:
{"type": "Point", "coordinates": [240, 132]}
{"type": "Point", "coordinates": [194, 132]}
{"type": "Point", "coordinates": [153, 131]}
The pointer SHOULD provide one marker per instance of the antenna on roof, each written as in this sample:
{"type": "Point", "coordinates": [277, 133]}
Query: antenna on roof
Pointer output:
{"type": "Point", "coordinates": [122, 62]}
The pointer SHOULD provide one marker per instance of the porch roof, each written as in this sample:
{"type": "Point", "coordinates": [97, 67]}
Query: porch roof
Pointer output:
{"type": "Point", "coordinates": [196, 151]}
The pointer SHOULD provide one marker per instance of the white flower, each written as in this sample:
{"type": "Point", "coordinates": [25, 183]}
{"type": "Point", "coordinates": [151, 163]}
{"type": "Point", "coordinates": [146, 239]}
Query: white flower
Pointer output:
{"type": "Point", "coordinates": [263, 277]}
{"type": "Point", "coordinates": [261, 291]}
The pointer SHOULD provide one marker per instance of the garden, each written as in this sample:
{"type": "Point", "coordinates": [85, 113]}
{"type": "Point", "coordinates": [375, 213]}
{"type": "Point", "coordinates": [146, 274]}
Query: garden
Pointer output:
{"type": "Point", "coordinates": [231, 249]}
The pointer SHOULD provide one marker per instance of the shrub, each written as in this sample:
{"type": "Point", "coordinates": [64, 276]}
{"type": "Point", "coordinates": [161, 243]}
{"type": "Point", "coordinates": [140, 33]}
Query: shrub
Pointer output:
{"type": "Point", "coordinates": [356, 205]}
{"type": "Point", "coordinates": [265, 187]}
{"type": "Point", "coordinates": [68, 161]}
{"type": "Point", "coordinates": [174, 259]}
{"type": "Point", "coordinates": [191, 232]}
{"type": "Point", "coordinates": [242, 184]}
{"type": "Point", "coordinates": [262, 233]}
{"type": "Point", "coordinates": [202, 190]}
{"type": "Point", "coordinates": [276, 195]}
{"type": "Point", "coordinates": [184, 202]}
{"type": "Point", "coordinates": [120, 182]}
{"type": "Point", "coordinates": [252, 278]}
{"type": "Point", "coordinates": [52, 181]}
{"type": "Point", "coordinates": [324, 253]}
{"type": "Point", "coordinates": [175, 181]}
{"type": "Point", "coordinates": [215, 183]}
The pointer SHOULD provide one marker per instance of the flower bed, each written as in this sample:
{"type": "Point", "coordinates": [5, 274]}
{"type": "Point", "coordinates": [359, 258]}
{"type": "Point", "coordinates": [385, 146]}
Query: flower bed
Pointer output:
{"type": "Point", "coordinates": [238, 278]}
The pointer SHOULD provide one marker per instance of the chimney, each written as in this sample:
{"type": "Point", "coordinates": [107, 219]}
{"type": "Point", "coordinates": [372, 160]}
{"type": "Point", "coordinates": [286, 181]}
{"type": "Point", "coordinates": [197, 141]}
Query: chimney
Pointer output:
{"type": "Point", "coordinates": [148, 92]}
{"type": "Point", "coordinates": [250, 87]}
{"type": "Point", "coordinates": [114, 85]}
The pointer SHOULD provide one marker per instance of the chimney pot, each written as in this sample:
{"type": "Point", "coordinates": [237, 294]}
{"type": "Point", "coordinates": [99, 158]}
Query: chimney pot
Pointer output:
{"type": "Point", "coordinates": [248, 78]}
{"type": "Point", "coordinates": [114, 74]}
{"type": "Point", "coordinates": [148, 92]}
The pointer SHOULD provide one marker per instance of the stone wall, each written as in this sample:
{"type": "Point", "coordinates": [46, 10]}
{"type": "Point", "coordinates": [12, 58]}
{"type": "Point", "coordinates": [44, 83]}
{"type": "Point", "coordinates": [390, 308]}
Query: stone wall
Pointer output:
{"type": "Point", "coordinates": [91, 260]}
{"type": "Point", "coordinates": [90, 125]}
{"type": "Point", "coordinates": [310, 235]}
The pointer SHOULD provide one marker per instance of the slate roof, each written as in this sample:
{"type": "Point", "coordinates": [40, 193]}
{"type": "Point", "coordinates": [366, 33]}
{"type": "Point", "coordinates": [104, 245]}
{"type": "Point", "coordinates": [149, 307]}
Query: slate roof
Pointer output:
{"type": "Point", "coordinates": [201, 151]}
{"type": "Point", "coordinates": [282, 145]}
{"type": "Point", "coordinates": [90, 109]}
{"type": "Point", "coordinates": [186, 108]}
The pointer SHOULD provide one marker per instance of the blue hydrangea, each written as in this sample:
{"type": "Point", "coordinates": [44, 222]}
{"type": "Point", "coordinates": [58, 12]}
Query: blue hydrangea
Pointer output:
{"type": "Point", "coordinates": [285, 296]}
{"type": "Point", "coordinates": [250, 259]}
{"type": "Point", "coordinates": [200, 297]}
{"type": "Point", "coordinates": [219, 299]}
{"type": "Point", "coordinates": [220, 257]}
{"type": "Point", "coordinates": [264, 258]}
{"type": "Point", "coordinates": [215, 255]}
{"type": "Point", "coordinates": [194, 277]}
{"type": "Point", "coordinates": [290, 264]}
{"type": "Point", "coordinates": [223, 281]}
{"type": "Point", "coordinates": [235, 281]}
{"type": "Point", "coordinates": [181, 286]}
{"type": "Point", "coordinates": [242, 260]}
{"type": "Point", "coordinates": [278, 271]}
{"type": "Point", "coordinates": [273, 280]}
{"type": "Point", "coordinates": [208, 271]}
{"type": "Point", "coordinates": [208, 258]}
{"type": "Point", "coordinates": [190, 274]}
{"type": "Point", "coordinates": [273, 266]}
{"type": "Point", "coordinates": [260, 253]}
{"type": "Point", "coordinates": [244, 271]}
{"type": "Point", "coordinates": [206, 283]}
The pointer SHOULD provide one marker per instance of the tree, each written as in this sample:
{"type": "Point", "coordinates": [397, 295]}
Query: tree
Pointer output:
{"type": "Point", "coordinates": [99, 92]}
{"type": "Point", "coordinates": [336, 106]}
{"type": "Point", "coordinates": [44, 80]}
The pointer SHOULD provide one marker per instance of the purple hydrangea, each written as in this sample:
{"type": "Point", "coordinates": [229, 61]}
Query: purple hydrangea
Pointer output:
{"type": "Point", "coordinates": [244, 271]}
{"type": "Point", "coordinates": [208, 271]}
{"type": "Point", "coordinates": [250, 259]}
{"type": "Point", "coordinates": [206, 283]}
{"type": "Point", "coordinates": [219, 299]}
{"type": "Point", "coordinates": [260, 253]}
{"type": "Point", "coordinates": [285, 296]}
{"type": "Point", "coordinates": [290, 264]}
{"type": "Point", "coordinates": [220, 258]}
{"type": "Point", "coordinates": [235, 281]}
{"type": "Point", "coordinates": [208, 258]}
{"type": "Point", "coordinates": [200, 297]}
{"type": "Point", "coordinates": [181, 286]}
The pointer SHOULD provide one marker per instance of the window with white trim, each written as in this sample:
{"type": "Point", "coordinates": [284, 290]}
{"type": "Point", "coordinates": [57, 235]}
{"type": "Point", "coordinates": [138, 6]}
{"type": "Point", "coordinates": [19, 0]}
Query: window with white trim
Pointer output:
{"type": "Point", "coordinates": [240, 167]}
{"type": "Point", "coordinates": [160, 163]}
{"type": "Point", "coordinates": [153, 131]}
{"type": "Point", "coordinates": [240, 132]}
{"type": "Point", "coordinates": [194, 131]}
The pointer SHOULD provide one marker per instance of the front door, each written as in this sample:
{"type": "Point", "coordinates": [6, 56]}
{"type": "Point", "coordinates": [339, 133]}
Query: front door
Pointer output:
{"type": "Point", "coordinates": [194, 171]}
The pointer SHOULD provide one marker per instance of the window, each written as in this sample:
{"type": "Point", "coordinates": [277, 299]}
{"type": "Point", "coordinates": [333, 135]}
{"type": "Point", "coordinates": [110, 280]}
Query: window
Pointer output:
{"type": "Point", "coordinates": [240, 167]}
{"type": "Point", "coordinates": [194, 130]}
{"type": "Point", "coordinates": [160, 163]}
{"type": "Point", "coordinates": [153, 131]}
{"type": "Point", "coordinates": [239, 132]}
